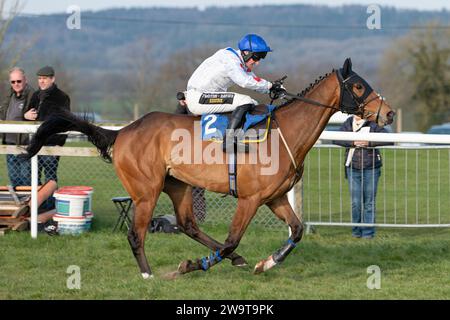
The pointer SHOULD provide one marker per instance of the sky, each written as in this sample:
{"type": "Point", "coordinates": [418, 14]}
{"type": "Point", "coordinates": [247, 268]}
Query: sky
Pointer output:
{"type": "Point", "coordinates": [60, 6]}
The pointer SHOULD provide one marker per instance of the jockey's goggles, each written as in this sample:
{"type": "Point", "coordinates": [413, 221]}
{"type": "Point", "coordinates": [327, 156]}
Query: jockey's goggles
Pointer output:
{"type": "Point", "coordinates": [256, 56]}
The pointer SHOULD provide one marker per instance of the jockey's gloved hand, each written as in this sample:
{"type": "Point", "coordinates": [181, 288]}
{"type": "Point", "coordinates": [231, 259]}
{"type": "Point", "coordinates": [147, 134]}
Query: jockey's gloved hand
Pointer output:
{"type": "Point", "coordinates": [277, 87]}
{"type": "Point", "coordinates": [277, 90]}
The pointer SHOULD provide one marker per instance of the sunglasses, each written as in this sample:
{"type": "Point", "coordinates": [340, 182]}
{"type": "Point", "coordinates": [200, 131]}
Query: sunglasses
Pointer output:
{"type": "Point", "coordinates": [16, 81]}
{"type": "Point", "coordinates": [258, 56]}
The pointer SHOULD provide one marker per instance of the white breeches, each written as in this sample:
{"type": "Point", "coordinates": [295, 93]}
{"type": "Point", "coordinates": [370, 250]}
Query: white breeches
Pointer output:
{"type": "Point", "coordinates": [215, 102]}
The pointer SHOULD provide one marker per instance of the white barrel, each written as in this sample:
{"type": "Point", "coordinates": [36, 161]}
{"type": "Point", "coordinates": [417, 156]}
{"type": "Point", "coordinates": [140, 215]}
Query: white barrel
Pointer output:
{"type": "Point", "coordinates": [88, 190]}
{"type": "Point", "coordinates": [71, 225]}
{"type": "Point", "coordinates": [71, 203]}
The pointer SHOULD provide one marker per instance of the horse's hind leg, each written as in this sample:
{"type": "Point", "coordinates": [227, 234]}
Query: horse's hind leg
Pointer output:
{"type": "Point", "coordinates": [181, 196]}
{"type": "Point", "coordinates": [145, 193]}
{"type": "Point", "coordinates": [283, 210]}
{"type": "Point", "coordinates": [136, 235]}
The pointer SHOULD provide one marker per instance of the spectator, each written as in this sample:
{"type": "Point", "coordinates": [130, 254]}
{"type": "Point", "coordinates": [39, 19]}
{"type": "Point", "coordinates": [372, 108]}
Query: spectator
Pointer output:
{"type": "Point", "coordinates": [362, 169]}
{"type": "Point", "coordinates": [198, 194]}
{"type": "Point", "coordinates": [14, 108]}
{"type": "Point", "coordinates": [48, 100]}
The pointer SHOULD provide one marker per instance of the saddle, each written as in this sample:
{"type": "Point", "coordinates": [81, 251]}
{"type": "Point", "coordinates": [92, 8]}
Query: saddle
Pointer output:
{"type": "Point", "coordinates": [214, 127]}
{"type": "Point", "coordinates": [258, 120]}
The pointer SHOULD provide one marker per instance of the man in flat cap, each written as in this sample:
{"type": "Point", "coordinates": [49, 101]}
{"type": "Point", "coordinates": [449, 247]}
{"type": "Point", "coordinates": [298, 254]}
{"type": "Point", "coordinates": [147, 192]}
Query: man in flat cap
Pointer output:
{"type": "Point", "coordinates": [48, 100]}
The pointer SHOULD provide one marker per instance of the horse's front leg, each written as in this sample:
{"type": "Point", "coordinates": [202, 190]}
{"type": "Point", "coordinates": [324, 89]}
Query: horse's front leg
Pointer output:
{"type": "Point", "coordinates": [181, 196]}
{"type": "Point", "coordinates": [283, 210]}
{"type": "Point", "coordinates": [246, 209]}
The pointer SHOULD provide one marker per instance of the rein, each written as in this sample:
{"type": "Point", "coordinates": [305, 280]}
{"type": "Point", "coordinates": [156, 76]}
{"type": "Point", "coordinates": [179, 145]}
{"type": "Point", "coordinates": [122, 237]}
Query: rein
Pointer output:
{"type": "Point", "coordinates": [297, 169]}
{"type": "Point", "coordinates": [309, 101]}
{"type": "Point", "coordinates": [360, 106]}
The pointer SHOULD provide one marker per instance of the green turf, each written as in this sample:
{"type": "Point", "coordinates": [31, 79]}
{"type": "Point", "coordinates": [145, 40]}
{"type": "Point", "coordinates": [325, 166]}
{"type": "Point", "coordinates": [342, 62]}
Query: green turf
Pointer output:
{"type": "Point", "coordinates": [415, 264]}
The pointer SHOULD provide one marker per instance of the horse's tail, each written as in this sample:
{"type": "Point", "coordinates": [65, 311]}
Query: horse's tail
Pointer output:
{"type": "Point", "coordinates": [103, 139]}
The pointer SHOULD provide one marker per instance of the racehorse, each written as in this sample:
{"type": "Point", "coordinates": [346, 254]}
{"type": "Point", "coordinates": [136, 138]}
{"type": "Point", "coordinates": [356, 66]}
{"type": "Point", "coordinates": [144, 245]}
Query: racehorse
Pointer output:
{"type": "Point", "coordinates": [143, 157]}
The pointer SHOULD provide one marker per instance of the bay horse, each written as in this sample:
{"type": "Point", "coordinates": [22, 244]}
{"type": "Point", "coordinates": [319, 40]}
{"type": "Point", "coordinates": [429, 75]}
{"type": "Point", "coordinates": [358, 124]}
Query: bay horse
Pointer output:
{"type": "Point", "coordinates": [143, 159]}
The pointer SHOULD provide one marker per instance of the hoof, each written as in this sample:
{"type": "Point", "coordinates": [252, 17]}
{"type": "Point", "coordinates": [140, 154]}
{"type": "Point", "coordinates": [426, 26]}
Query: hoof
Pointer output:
{"type": "Point", "coordinates": [184, 267]}
{"type": "Point", "coordinates": [264, 265]}
{"type": "Point", "coordinates": [239, 262]}
{"type": "Point", "coordinates": [146, 275]}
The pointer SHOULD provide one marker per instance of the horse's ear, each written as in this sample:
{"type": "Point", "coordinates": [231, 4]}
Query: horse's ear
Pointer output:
{"type": "Point", "coordinates": [347, 68]}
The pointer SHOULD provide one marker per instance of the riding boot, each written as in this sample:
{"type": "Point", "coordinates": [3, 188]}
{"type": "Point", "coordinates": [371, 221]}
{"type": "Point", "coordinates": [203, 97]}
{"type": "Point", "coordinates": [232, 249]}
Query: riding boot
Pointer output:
{"type": "Point", "coordinates": [235, 123]}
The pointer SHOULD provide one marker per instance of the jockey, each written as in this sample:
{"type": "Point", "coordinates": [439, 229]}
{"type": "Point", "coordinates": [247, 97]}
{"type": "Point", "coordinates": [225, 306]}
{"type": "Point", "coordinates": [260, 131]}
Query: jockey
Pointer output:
{"type": "Point", "coordinates": [207, 87]}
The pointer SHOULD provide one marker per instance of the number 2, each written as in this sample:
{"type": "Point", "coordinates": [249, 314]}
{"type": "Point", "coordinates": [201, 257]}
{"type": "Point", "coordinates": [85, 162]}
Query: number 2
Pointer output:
{"type": "Point", "coordinates": [209, 120]}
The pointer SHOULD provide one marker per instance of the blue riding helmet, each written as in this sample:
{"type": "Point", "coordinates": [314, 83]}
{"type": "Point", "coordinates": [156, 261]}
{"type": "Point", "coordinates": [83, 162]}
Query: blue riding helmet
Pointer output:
{"type": "Point", "coordinates": [253, 43]}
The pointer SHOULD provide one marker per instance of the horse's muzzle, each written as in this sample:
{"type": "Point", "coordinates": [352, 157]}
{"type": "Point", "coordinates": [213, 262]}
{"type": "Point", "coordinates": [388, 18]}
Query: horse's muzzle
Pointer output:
{"type": "Point", "coordinates": [390, 117]}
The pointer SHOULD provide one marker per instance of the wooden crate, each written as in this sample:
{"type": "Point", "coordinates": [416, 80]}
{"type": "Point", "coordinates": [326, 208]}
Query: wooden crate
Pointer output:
{"type": "Point", "coordinates": [14, 207]}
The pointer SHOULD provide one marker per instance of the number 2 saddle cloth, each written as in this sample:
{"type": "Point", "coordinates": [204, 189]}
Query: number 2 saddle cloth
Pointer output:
{"type": "Point", "coordinates": [214, 125]}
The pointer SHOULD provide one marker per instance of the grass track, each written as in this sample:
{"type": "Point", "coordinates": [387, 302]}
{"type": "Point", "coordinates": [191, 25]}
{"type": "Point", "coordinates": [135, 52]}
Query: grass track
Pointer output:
{"type": "Point", "coordinates": [415, 264]}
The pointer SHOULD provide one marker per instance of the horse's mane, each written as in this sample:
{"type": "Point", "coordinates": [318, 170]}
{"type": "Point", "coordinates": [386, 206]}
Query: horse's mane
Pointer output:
{"type": "Point", "coordinates": [309, 88]}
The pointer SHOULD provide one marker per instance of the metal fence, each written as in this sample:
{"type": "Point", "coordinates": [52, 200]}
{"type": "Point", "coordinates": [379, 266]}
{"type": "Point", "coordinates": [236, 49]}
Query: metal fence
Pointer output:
{"type": "Point", "coordinates": [80, 164]}
{"type": "Point", "coordinates": [414, 189]}
{"type": "Point", "coordinates": [92, 171]}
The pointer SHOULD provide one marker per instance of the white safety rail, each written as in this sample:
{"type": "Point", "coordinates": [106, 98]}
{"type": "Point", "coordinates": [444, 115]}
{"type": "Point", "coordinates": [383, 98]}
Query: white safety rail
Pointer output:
{"type": "Point", "coordinates": [22, 128]}
{"type": "Point", "coordinates": [386, 137]}
{"type": "Point", "coordinates": [413, 189]}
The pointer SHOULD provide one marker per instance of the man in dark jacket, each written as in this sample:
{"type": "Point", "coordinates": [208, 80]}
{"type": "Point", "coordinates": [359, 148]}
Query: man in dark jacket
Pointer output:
{"type": "Point", "coordinates": [363, 169]}
{"type": "Point", "coordinates": [14, 108]}
{"type": "Point", "coordinates": [48, 100]}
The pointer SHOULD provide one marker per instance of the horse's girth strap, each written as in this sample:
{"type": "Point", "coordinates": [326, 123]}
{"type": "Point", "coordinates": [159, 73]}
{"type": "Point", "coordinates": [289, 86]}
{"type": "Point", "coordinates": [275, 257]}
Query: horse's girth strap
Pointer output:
{"type": "Point", "coordinates": [232, 174]}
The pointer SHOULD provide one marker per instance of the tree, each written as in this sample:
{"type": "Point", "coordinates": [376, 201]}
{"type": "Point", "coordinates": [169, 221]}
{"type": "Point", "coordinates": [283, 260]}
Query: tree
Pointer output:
{"type": "Point", "coordinates": [65, 80]}
{"type": "Point", "coordinates": [415, 75]}
{"type": "Point", "coordinates": [172, 77]}
{"type": "Point", "coordinates": [10, 53]}
{"type": "Point", "coordinates": [140, 71]}
{"type": "Point", "coordinates": [431, 78]}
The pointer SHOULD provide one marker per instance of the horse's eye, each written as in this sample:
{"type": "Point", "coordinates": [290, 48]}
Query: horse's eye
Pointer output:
{"type": "Point", "coordinates": [358, 86]}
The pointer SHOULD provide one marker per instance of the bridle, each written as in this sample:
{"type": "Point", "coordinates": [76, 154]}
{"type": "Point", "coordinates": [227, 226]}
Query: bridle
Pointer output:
{"type": "Point", "coordinates": [349, 101]}
{"type": "Point", "coordinates": [358, 104]}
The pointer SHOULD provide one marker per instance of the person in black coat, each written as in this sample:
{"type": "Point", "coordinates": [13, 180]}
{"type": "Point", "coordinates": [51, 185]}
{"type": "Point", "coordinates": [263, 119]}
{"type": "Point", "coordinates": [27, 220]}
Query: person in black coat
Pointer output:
{"type": "Point", "coordinates": [363, 169]}
{"type": "Point", "coordinates": [48, 100]}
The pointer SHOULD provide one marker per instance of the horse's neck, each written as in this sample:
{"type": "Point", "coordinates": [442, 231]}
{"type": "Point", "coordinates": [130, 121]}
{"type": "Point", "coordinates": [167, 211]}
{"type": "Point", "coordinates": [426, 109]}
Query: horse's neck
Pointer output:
{"type": "Point", "coordinates": [302, 123]}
